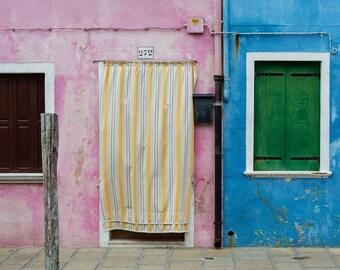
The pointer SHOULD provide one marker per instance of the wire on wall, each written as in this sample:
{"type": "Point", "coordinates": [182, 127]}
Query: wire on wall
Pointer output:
{"type": "Point", "coordinates": [331, 48]}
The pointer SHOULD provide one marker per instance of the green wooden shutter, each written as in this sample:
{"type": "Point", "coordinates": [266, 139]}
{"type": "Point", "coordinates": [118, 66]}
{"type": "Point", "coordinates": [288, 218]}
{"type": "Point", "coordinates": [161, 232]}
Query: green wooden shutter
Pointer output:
{"type": "Point", "coordinates": [287, 116]}
{"type": "Point", "coordinates": [269, 110]}
{"type": "Point", "coordinates": [303, 116]}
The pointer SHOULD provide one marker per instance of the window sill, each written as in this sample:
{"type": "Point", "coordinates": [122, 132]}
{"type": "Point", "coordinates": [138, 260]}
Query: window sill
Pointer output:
{"type": "Point", "coordinates": [288, 174]}
{"type": "Point", "coordinates": [21, 178]}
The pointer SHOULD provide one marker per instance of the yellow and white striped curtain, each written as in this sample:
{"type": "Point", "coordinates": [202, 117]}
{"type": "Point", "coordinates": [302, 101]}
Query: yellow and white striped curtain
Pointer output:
{"type": "Point", "coordinates": [146, 145]}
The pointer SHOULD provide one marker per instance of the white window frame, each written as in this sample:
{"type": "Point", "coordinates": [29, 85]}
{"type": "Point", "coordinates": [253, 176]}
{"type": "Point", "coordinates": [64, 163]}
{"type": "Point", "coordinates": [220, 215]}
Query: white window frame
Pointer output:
{"type": "Point", "coordinates": [30, 68]}
{"type": "Point", "coordinates": [324, 59]}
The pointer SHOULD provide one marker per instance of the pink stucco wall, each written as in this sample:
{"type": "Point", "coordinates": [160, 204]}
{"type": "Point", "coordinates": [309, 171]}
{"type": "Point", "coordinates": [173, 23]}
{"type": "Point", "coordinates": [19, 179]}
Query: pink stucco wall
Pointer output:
{"type": "Point", "coordinates": [53, 31]}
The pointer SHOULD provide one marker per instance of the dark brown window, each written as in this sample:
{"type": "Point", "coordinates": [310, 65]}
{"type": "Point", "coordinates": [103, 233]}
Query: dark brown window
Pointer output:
{"type": "Point", "coordinates": [21, 103]}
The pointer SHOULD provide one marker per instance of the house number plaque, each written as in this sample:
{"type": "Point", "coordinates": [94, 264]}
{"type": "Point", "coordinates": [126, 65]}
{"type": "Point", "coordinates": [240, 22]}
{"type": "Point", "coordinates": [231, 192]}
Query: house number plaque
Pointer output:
{"type": "Point", "coordinates": [145, 52]}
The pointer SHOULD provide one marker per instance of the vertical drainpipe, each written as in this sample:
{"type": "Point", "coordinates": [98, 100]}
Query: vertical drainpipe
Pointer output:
{"type": "Point", "coordinates": [218, 106]}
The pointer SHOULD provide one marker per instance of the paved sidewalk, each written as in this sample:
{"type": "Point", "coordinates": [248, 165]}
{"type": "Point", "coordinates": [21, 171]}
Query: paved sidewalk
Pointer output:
{"type": "Point", "coordinates": [175, 258]}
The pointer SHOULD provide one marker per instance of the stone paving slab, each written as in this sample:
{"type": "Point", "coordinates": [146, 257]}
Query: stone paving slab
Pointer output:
{"type": "Point", "coordinates": [29, 258]}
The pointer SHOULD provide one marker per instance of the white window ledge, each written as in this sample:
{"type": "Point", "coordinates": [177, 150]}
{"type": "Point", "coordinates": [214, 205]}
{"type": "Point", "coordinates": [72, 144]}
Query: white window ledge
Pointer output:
{"type": "Point", "coordinates": [21, 178]}
{"type": "Point", "coordinates": [288, 174]}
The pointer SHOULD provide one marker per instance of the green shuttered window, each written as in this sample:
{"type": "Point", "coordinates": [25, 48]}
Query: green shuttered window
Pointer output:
{"type": "Point", "coordinates": [287, 116]}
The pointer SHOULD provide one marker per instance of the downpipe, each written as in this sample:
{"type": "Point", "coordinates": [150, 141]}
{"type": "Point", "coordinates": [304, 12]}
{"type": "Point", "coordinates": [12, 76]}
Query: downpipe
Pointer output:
{"type": "Point", "coordinates": [219, 79]}
{"type": "Point", "coordinates": [218, 106]}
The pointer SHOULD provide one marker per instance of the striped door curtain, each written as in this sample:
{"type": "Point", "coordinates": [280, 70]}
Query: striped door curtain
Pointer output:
{"type": "Point", "coordinates": [146, 145]}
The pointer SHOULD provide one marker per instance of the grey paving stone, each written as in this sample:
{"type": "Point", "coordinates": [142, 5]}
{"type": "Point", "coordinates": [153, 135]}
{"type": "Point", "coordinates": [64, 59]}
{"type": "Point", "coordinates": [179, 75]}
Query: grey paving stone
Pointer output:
{"type": "Point", "coordinates": [152, 259]}
{"type": "Point", "coordinates": [249, 249]}
{"type": "Point", "coordinates": [66, 253]}
{"type": "Point", "coordinates": [321, 268]}
{"type": "Point", "coordinates": [11, 267]}
{"type": "Point", "coordinates": [7, 251]}
{"type": "Point", "coordinates": [323, 263]}
{"type": "Point", "coordinates": [314, 255]}
{"type": "Point", "coordinates": [184, 257]}
{"type": "Point", "coordinates": [311, 250]}
{"type": "Point", "coordinates": [87, 255]}
{"type": "Point", "coordinates": [128, 252]}
{"type": "Point", "coordinates": [188, 251]}
{"type": "Point", "coordinates": [253, 264]}
{"type": "Point", "coordinates": [3, 257]}
{"type": "Point", "coordinates": [185, 265]}
{"type": "Point", "coordinates": [288, 266]}
{"type": "Point", "coordinates": [88, 264]}
{"type": "Point", "coordinates": [150, 267]}
{"type": "Point", "coordinates": [91, 250]}
{"type": "Point", "coordinates": [29, 250]}
{"type": "Point", "coordinates": [335, 251]}
{"type": "Point", "coordinates": [36, 264]}
{"type": "Point", "coordinates": [337, 260]}
{"type": "Point", "coordinates": [219, 261]}
{"type": "Point", "coordinates": [282, 251]}
{"type": "Point", "coordinates": [220, 268]}
{"type": "Point", "coordinates": [212, 252]}
{"type": "Point", "coordinates": [116, 268]}
{"type": "Point", "coordinates": [253, 255]}
{"type": "Point", "coordinates": [119, 261]}
{"type": "Point", "coordinates": [283, 258]}
{"type": "Point", "coordinates": [19, 259]}
{"type": "Point", "coordinates": [154, 251]}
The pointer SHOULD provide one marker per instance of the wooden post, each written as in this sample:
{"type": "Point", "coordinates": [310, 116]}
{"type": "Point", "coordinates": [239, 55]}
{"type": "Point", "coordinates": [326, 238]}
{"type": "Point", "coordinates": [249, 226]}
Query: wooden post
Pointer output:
{"type": "Point", "coordinates": [49, 147]}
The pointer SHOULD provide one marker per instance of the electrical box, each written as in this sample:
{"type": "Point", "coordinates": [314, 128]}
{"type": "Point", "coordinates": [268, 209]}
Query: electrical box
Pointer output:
{"type": "Point", "coordinates": [203, 108]}
{"type": "Point", "coordinates": [195, 25]}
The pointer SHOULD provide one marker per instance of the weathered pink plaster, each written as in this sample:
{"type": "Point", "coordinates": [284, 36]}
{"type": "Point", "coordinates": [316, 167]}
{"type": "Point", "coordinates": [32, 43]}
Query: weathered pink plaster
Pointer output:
{"type": "Point", "coordinates": [53, 31]}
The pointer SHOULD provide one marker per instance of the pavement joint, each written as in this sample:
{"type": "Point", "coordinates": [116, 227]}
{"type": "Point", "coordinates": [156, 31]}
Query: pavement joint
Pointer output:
{"type": "Point", "coordinates": [141, 255]}
{"type": "Point", "coordinates": [10, 255]}
{"type": "Point", "coordinates": [68, 260]}
{"type": "Point", "coordinates": [269, 254]}
{"type": "Point", "coordinates": [101, 261]}
{"type": "Point", "coordinates": [35, 256]}
{"type": "Point", "coordinates": [203, 258]}
{"type": "Point", "coordinates": [168, 258]}
{"type": "Point", "coordinates": [332, 256]}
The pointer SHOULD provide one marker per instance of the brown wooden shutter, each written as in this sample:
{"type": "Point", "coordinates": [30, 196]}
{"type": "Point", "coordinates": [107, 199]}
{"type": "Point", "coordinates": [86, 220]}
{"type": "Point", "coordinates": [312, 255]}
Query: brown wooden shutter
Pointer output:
{"type": "Point", "coordinates": [21, 102]}
{"type": "Point", "coordinates": [6, 142]}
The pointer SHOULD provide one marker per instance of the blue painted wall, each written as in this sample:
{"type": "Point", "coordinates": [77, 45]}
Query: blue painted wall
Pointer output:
{"type": "Point", "coordinates": [275, 212]}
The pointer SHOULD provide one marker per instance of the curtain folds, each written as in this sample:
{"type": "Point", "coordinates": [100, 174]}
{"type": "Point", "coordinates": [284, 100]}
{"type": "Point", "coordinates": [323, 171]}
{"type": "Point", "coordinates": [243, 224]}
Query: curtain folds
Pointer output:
{"type": "Point", "coordinates": [146, 144]}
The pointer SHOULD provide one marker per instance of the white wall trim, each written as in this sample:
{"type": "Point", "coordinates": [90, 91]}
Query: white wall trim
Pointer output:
{"type": "Point", "coordinates": [46, 68]}
{"type": "Point", "coordinates": [324, 58]}
{"type": "Point", "coordinates": [20, 68]}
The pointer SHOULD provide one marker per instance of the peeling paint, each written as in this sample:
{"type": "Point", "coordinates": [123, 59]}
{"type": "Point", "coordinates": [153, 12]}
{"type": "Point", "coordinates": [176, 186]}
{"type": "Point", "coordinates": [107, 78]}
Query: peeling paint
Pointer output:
{"type": "Point", "coordinates": [279, 213]}
{"type": "Point", "coordinates": [200, 204]}
{"type": "Point", "coordinates": [80, 157]}
{"type": "Point", "coordinates": [301, 232]}
{"type": "Point", "coordinates": [334, 113]}
{"type": "Point", "coordinates": [317, 209]}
